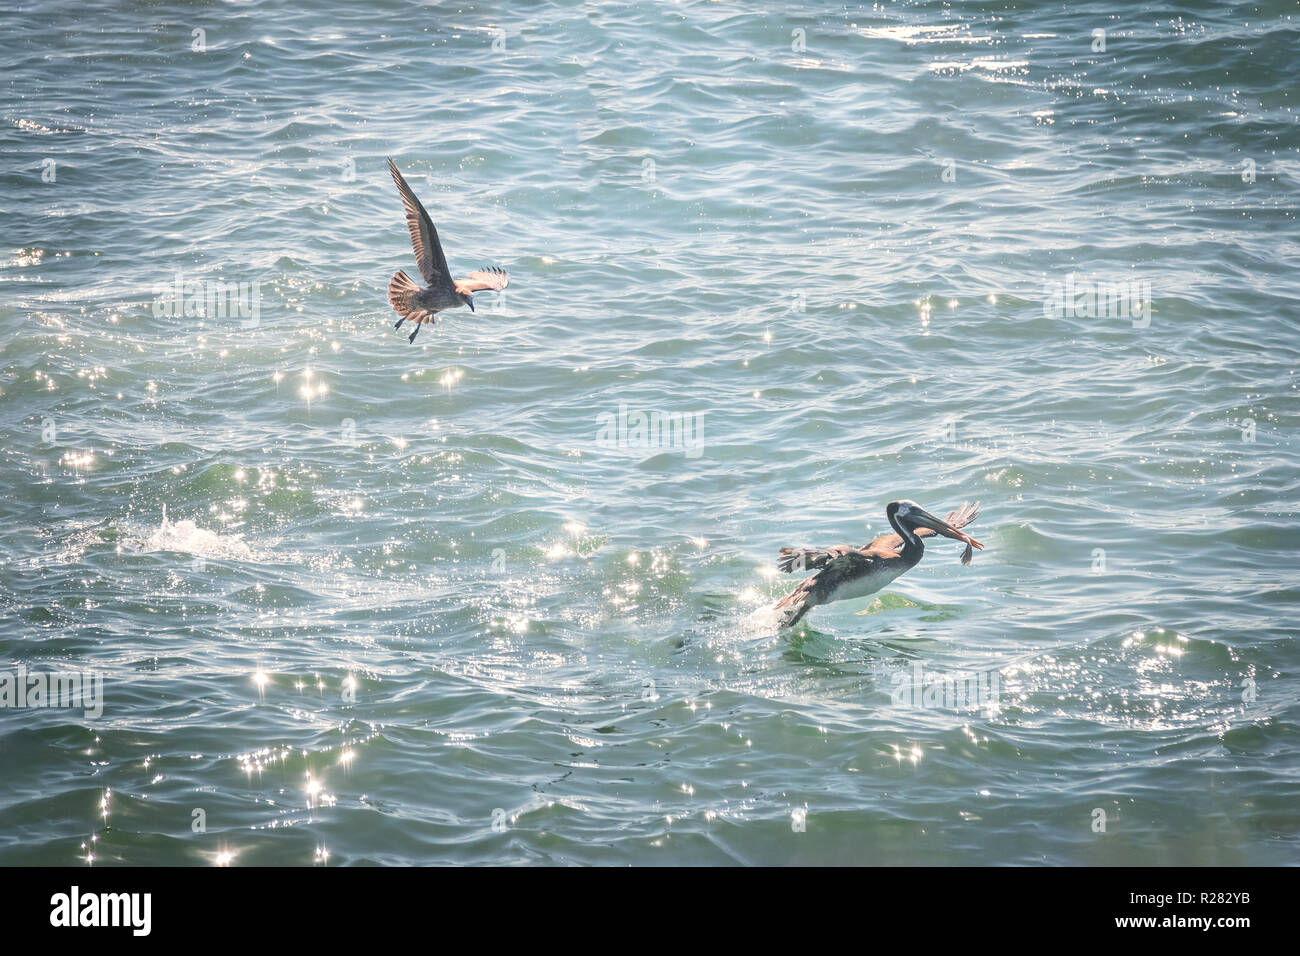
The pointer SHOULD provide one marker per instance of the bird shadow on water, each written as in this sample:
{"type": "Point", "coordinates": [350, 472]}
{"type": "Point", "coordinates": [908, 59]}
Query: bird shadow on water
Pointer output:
{"type": "Point", "coordinates": [737, 645]}
{"type": "Point", "coordinates": [840, 644]}
{"type": "Point", "coordinates": [891, 637]}
{"type": "Point", "coordinates": [879, 646]}
{"type": "Point", "coordinates": [753, 634]}
{"type": "Point", "coordinates": [929, 613]}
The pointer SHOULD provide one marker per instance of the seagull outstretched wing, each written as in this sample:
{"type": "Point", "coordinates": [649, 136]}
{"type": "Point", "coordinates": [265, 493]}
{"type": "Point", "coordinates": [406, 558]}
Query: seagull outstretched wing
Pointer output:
{"type": "Point", "coordinates": [490, 278]}
{"type": "Point", "coordinates": [428, 250]}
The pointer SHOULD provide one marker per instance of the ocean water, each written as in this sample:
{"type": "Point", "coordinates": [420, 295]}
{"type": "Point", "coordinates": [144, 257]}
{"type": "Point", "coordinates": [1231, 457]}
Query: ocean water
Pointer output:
{"type": "Point", "coordinates": [354, 601]}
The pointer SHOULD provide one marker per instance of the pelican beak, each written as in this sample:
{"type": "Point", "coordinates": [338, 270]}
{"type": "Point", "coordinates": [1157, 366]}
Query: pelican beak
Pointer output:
{"type": "Point", "coordinates": [922, 517]}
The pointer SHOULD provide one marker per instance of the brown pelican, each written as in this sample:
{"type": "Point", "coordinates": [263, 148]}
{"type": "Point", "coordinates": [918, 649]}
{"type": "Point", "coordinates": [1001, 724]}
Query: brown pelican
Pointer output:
{"type": "Point", "coordinates": [442, 292]}
{"type": "Point", "coordinates": [845, 572]}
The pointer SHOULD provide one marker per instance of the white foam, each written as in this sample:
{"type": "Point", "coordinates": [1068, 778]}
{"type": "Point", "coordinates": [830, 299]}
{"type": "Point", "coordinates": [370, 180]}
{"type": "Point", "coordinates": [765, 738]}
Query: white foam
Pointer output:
{"type": "Point", "coordinates": [188, 537]}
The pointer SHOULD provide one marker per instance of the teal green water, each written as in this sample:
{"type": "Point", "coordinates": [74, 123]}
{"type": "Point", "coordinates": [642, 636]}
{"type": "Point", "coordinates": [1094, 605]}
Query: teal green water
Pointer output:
{"type": "Point", "coordinates": [408, 604]}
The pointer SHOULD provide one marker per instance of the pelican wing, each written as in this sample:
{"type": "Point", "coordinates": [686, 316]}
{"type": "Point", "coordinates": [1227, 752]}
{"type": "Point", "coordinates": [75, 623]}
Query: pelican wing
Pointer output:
{"type": "Point", "coordinates": [809, 559]}
{"type": "Point", "coordinates": [853, 562]}
{"type": "Point", "coordinates": [489, 278]}
{"type": "Point", "coordinates": [958, 518]}
{"type": "Point", "coordinates": [424, 238]}
{"type": "Point", "coordinates": [850, 566]}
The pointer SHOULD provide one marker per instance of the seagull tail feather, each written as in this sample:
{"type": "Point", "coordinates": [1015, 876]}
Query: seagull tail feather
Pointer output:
{"type": "Point", "coordinates": [401, 294]}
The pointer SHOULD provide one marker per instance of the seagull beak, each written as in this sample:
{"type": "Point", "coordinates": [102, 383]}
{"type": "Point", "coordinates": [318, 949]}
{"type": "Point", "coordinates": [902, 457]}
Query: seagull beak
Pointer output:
{"type": "Point", "coordinates": [923, 517]}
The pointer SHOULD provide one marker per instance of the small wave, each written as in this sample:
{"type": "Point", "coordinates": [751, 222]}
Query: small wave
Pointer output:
{"type": "Point", "coordinates": [186, 536]}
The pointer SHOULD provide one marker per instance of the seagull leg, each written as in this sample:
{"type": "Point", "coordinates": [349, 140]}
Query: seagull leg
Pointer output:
{"type": "Point", "coordinates": [398, 323]}
{"type": "Point", "coordinates": [415, 333]}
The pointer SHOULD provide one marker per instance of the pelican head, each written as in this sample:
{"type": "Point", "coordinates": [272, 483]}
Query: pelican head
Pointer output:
{"type": "Point", "coordinates": [908, 514]}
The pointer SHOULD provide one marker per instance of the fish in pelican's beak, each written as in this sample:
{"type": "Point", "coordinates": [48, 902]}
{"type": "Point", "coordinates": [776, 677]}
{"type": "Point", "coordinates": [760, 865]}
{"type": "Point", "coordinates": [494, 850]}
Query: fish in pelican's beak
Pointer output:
{"type": "Point", "coordinates": [919, 516]}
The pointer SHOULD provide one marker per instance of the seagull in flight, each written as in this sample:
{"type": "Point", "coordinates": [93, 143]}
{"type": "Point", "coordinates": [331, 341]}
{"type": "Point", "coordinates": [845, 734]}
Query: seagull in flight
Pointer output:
{"type": "Point", "coordinates": [440, 292]}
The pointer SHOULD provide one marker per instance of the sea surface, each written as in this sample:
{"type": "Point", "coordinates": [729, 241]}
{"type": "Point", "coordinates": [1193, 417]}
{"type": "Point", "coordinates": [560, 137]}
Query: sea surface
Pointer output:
{"type": "Point", "coordinates": [501, 596]}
